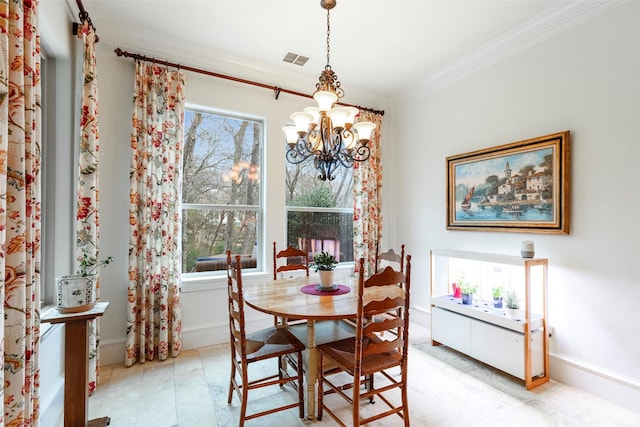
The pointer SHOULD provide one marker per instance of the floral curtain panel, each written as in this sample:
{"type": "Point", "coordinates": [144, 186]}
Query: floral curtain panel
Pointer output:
{"type": "Point", "coordinates": [367, 201]}
{"type": "Point", "coordinates": [87, 224]}
{"type": "Point", "coordinates": [20, 165]}
{"type": "Point", "coordinates": [154, 315]}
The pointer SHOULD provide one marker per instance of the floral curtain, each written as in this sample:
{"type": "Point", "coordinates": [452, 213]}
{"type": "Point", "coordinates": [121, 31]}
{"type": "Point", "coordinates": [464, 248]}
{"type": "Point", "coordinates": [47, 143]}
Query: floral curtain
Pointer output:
{"type": "Point", "coordinates": [87, 224]}
{"type": "Point", "coordinates": [367, 200]}
{"type": "Point", "coordinates": [20, 165]}
{"type": "Point", "coordinates": [154, 317]}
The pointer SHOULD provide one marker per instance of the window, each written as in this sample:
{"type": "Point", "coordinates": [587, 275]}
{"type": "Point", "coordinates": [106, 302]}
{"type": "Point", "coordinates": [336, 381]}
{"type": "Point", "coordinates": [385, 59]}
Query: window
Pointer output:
{"type": "Point", "coordinates": [320, 213]}
{"type": "Point", "coordinates": [221, 195]}
{"type": "Point", "coordinates": [45, 275]}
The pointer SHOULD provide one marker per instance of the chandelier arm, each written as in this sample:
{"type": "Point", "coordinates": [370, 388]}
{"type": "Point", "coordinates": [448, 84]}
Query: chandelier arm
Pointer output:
{"type": "Point", "coordinates": [363, 152]}
{"type": "Point", "coordinates": [346, 159]}
{"type": "Point", "coordinates": [299, 152]}
{"type": "Point", "coordinates": [321, 167]}
{"type": "Point", "coordinates": [331, 168]}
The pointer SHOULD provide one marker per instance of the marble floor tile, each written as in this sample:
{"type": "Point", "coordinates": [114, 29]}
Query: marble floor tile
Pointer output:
{"type": "Point", "coordinates": [445, 390]}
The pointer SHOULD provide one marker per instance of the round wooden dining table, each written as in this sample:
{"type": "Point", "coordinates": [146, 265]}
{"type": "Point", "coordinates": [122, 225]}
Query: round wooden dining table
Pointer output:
{"type": "Point", "coordinates": [284, 298]}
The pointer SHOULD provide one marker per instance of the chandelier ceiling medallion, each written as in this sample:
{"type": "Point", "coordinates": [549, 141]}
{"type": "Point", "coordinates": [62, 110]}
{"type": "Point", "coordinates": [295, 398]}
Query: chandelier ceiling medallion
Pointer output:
{"type": "Point", "coordinates": [327, 132]}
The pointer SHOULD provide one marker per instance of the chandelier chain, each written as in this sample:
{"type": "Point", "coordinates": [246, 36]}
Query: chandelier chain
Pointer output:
{"type": "Point", "coordinates": [328, 38]}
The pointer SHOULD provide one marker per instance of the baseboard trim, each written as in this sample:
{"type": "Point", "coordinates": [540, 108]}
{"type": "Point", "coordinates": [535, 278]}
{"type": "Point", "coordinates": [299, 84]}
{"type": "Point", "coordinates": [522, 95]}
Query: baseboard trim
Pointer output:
{"type": "Point", "coordinates": [612, 386]}
{"type": "Point", "coordinates": [112, 352]}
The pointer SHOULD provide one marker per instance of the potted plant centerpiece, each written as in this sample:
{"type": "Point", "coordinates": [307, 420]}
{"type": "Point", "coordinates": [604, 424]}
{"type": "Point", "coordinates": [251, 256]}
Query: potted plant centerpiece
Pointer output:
{"type": "Point", "coordinates": [324, 264]}
{"type": "Point", "coordinates": [512, 305]}
{"type": "Point", "coordinates": [496, 293]}
{"type": "Point", "coordinates": [76, 292]}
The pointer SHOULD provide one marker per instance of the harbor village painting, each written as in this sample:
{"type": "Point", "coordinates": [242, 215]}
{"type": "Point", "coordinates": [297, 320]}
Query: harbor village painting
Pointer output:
{"type": "Point", "coordinates": [521, 186]}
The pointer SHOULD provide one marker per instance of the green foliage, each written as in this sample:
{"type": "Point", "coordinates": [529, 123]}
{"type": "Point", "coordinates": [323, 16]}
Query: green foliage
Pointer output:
{"type": "Point", "coordinates": [320, 196]}
{"type": "Point", "coordinates": [524, 171]}
{"type": "Point", "coordinates": [496, 291]}
{"type": "Point", "coordinates": [89, 264]}
{"type": "Point", "coordinates": [512, 299]}
{"type": "Point", "coordinates": [466, 287]}
{"type": "Point", "coordinates": [218, 248]}
{"type": "Point", "coordinates": [324, 261]}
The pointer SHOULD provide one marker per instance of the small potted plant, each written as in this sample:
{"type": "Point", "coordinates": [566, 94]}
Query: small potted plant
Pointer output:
{"type": "Point", "coordinates": [76, 292]}
{"type": "Point", "coordinates": [467, 292]}
{"type": "Point", "coordinates": [324, 264]}
{"type": "Point", "coordinates": [496, 293]}
{"type": "Point", "coordinates": [512, 305]}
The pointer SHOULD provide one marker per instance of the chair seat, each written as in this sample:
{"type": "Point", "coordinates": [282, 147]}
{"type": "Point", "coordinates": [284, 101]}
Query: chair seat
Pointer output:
{"type": "Point", "coordinates": [342, 352]}
{"type": "Point", "coordinates": [271, 342]}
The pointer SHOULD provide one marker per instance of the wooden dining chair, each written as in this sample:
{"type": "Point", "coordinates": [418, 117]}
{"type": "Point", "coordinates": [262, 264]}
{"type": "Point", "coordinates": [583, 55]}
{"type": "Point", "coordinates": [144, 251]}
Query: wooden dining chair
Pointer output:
{"type": "Point", "coordinates": [368, 355]}
{"type": "Point", "coordinates": [392, 259]}
{"type": "Point", "coordinates": [269, 343]}
{"type": "Point", "coordinates": [299, 257]}
{"type": "Point", "coordinates": [296, 259]}
{"type": "Point", "coordinates": [389, 257]}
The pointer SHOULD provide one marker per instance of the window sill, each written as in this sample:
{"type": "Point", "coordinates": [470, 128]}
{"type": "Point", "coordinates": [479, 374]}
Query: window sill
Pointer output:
{"type": "Point", "coordinates": [201, 283]}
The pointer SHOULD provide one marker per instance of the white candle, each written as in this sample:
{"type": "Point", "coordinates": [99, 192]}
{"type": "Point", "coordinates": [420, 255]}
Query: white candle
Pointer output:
{"type": "Point", "coordinates": [526, 249]}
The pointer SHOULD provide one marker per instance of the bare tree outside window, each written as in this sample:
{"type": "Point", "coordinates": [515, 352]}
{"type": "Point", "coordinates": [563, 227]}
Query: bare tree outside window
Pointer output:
{"type": "Point", "coordinates": [221, 190]}
{"type": "Point", "coordinates": [320, 213]}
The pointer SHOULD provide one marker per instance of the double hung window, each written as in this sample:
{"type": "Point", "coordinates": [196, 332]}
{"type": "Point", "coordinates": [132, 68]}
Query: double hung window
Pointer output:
{"type": "Point", "coordinates": [221, 194]}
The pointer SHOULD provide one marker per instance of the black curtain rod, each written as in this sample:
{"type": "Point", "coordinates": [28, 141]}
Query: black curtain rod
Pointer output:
{"type": "Point", "coordinates": [276, 89]}
{"type": "Point", "coordinates": [84, 16]}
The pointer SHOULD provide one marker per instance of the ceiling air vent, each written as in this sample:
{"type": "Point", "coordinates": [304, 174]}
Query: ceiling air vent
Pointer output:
{"type": "Point", "coordinates": [294, 58]}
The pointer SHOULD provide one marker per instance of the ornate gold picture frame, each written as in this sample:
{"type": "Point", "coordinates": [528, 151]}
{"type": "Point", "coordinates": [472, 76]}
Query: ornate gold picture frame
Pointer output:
{"type": "Point", "coordinates": [523, 186]}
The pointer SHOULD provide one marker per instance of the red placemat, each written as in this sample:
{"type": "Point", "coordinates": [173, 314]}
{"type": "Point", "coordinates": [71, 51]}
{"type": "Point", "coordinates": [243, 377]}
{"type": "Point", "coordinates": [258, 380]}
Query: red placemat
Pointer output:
{"type": "Point", "coordinates": [311, 290]}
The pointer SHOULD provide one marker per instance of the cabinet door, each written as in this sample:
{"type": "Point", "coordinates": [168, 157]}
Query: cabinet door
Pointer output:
{"type": "Point", "coordinates": [498, 347]}
{"type": "Point", "coordinates": [451, 329]}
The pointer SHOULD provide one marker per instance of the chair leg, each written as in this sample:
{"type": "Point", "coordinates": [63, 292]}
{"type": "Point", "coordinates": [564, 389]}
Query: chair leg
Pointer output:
{"type": "Point", "coordinates": [372, 398]}
{"type": "Point", "coordinates": [281, 368]}
{"type": "Point", "coordinates": [233, 374]}
{"type": "Point", "coordinates": [300, 385]}
{"type": "Point", "coordinates": [245, 397]}
{"type": "Point", "coordinates": [356, 400]}
{"type": "Point", "coordinates": [320, 386]}
{"type": "Point", "coordinates": [405, 403]}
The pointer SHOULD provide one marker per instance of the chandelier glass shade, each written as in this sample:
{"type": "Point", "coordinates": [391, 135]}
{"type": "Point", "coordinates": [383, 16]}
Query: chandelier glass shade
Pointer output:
{"type": "Point", "coordinates": [327, 133]}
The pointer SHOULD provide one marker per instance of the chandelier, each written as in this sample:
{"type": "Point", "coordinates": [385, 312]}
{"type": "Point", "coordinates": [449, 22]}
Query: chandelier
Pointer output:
{"type": "Point", "coordinates": [327, 132]}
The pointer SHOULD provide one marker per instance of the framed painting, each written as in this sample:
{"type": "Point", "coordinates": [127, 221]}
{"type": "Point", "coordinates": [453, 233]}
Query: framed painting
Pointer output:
{"type": "Point", "coordinates": [520, 187]}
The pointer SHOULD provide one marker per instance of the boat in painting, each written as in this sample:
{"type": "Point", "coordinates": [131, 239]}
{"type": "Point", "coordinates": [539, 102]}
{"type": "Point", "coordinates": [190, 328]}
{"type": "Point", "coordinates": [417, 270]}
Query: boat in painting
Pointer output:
{"type": "Point", "coordinates": [466, 203]}
{"type": "Point", "coordinates": [544, 205]}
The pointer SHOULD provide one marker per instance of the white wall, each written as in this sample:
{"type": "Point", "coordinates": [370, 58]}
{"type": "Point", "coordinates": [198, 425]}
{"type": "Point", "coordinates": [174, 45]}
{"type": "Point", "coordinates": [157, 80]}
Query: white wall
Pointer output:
{"type": "Point", "coordinates": [586, 80]}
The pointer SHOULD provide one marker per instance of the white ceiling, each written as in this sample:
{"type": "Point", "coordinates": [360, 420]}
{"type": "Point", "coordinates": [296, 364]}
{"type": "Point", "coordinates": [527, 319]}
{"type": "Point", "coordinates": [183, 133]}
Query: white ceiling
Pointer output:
{"type": "Point", "coordinates": [379, 49]}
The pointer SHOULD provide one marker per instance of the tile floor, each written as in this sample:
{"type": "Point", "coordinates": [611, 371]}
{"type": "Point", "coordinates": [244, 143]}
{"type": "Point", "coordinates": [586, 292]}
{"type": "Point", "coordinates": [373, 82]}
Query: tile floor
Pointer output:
{"type": "Point", "coordinates": [448, 391]}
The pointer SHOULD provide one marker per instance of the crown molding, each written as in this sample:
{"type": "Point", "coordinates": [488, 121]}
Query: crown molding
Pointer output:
{"type": "Point", "coordinates": [564, 16]}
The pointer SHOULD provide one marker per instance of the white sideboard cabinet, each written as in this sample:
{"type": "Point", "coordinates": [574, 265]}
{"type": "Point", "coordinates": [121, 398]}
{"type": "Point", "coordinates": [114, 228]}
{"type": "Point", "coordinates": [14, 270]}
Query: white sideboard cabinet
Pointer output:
{"type": "Point", "coordinates": [519, 346]}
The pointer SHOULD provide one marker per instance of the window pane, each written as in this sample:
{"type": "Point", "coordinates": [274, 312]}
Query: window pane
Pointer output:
{"type": "Point", "coordinates": [322, 231]}
{"type": "Point", "coordinates": [208, 233]}
{"type": "Point", "coordinates": [221, 190]}
{"type": "Point", "coordinates": [305, 189]}
{"type": "Point", "coordinates": [221, 159]}
{"type": "Point", "coordinates": [330, 226]}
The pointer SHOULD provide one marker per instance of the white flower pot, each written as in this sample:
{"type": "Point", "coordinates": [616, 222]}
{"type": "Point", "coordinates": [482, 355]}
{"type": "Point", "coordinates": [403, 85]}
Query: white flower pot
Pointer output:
{"type": "Point", "coordinates": [513, 313]}
{"type": "Point", "coordinates": [75, 293]}
{"type": "Point", "coordinates": [326, 279]}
